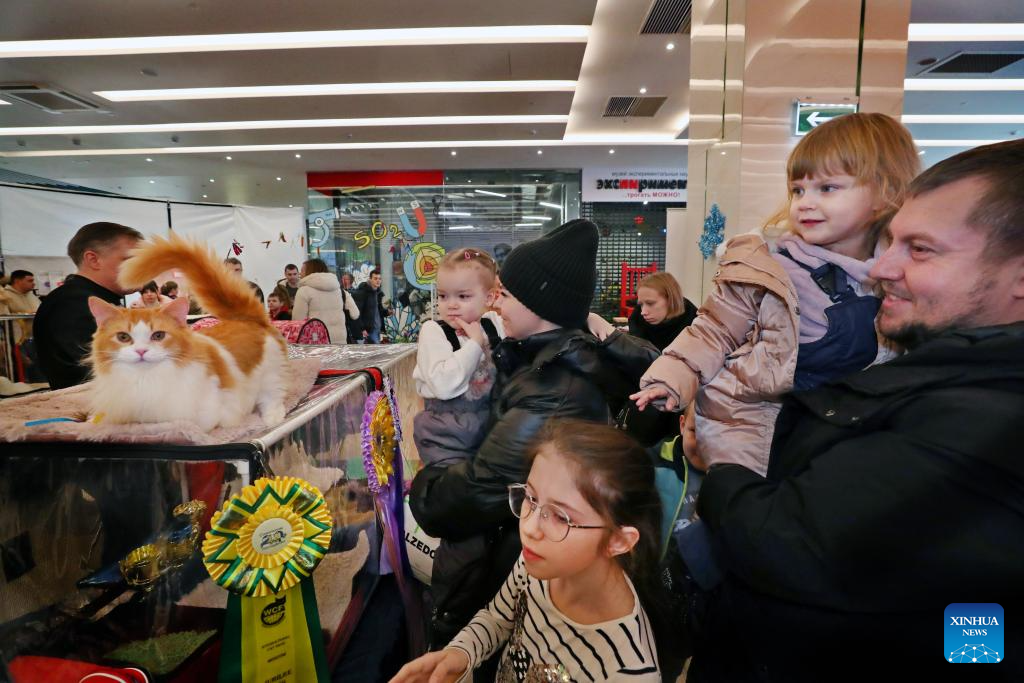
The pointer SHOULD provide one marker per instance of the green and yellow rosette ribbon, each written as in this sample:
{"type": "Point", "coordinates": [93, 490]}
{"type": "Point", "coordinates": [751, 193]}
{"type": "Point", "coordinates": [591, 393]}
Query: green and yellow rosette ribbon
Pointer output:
{"type": "Point", "coordinates": [262, 547]}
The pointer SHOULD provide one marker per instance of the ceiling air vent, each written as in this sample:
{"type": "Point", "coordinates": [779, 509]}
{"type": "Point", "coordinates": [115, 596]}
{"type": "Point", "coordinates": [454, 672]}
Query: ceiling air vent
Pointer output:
{"type": "Point", "coordinates": [668, 16]}
{"type": "Point", "coordinates": [626, 107]}
{"type": "Point", "coordinates": [977, 63]}
{"type": "Point", "coordinates": [48, 99]}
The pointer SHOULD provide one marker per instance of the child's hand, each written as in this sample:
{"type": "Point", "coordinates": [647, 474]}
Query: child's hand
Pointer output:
{"type": "Point", "coordinates": [653, 394]}
{"type": "Point", "coordinates": [445, 666]}
{"type": "Point", "coordinates": [599, 327]}
{"type": "Point", "coordinates": [472, 330]}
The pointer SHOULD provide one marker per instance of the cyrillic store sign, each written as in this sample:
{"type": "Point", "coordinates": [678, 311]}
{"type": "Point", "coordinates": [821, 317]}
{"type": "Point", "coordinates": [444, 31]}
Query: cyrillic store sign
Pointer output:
{"type": "Point", "coordinates": [634, 184]}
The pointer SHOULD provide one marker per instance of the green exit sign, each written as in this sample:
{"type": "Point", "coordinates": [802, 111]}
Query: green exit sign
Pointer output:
{"type": "Point", "coordinates": [809, 115]}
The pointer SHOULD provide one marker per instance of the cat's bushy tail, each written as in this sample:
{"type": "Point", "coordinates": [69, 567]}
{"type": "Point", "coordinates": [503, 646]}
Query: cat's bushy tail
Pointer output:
{"type": "Point", "coordinates": [218, 290]}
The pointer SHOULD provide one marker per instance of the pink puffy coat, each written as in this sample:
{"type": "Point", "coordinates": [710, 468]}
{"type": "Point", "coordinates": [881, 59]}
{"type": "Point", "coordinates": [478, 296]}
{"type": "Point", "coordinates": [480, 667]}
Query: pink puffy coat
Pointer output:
{"type": "Point", "coordinates": [737, 357]}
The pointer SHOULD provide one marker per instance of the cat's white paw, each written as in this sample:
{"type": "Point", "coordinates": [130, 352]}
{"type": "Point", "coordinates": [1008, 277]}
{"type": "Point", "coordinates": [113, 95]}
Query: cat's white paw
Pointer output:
{"type": "Point", "coordinates": [272, 415]}
{"type": "Point", "coordinates": [206, 424]}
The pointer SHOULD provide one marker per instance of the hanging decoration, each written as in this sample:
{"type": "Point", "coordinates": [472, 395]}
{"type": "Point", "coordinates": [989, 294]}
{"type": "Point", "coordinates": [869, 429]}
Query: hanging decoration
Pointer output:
{"type": "Point", "coordinates": [714, 232]}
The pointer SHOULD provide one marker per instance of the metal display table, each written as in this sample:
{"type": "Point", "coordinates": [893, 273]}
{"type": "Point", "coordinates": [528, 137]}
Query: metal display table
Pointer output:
{"type": "Point", "coordinates": [69, 511]}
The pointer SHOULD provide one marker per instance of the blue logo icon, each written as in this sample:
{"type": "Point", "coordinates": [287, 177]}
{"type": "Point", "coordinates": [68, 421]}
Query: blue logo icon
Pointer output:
{"type": "Point", "coordinates": [973, 633]}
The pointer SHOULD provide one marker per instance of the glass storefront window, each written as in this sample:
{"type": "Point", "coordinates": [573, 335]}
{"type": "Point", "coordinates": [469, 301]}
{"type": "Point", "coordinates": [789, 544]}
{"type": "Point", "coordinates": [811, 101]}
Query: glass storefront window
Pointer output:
{"type": "Point", "coordinates": [404, 230]}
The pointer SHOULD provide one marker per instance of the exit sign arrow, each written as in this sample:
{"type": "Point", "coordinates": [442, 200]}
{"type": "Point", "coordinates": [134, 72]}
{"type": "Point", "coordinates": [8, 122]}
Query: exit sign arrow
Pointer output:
{"type": "Point", "coordinates": [809, 115]}
{"type": "Point", "coordinates": [815, 118]}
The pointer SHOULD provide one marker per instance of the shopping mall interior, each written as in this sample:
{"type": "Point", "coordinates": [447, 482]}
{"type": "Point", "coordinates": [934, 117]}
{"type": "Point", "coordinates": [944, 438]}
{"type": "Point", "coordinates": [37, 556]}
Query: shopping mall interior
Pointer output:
{"type": "Point", "coordinates": [377, 137]}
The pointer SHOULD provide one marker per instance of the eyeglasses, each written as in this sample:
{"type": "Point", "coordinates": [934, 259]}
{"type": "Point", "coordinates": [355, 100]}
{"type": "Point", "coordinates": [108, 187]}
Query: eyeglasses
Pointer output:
{"type": "Point", "coordinates": [554, 522]}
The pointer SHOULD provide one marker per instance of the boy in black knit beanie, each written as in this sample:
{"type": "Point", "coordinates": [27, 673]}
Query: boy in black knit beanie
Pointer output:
{"type": "Point", "coordinates": [548, 366]}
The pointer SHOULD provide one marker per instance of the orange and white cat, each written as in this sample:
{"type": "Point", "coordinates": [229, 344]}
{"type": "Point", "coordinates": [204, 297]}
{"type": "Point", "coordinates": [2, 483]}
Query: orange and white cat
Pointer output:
{"type": "Point", "coordinates": [149, 366]}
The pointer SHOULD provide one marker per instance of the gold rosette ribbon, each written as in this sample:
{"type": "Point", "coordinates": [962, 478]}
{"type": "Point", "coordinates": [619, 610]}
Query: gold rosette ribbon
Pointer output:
{"type": "Point", "coordinates": [268, 538]}
{"type": "Point", "coordinates": [379, 440]}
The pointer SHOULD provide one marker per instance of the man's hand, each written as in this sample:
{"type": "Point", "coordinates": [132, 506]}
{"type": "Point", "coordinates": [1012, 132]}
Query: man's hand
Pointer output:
{"type": "Point", "coordinates": [365, 334]}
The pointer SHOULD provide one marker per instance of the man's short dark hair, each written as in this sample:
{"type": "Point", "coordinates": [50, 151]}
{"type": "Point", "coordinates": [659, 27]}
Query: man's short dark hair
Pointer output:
{"type": "Point", "coordinates": [19, 274]}
{"type": "Point", "coordinates": [375, 271]}
{"type": "Point", "coordinates": [315, 265]}
{"type": "Point", "coordinates": [290, 266]}
{"type": "Point", "coordinates": [233, 261]}
{"type": "Point", "coordinates": [98, 236]}
{"type": "Point", "coordinates": [999, 210]}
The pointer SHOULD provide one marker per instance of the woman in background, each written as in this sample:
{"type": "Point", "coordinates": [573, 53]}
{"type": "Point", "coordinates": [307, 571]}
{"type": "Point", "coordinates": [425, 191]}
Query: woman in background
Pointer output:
{"type": "Point", "coordinates": [320, 296]}
{"type": "Point", "coordinates": [661, 311]}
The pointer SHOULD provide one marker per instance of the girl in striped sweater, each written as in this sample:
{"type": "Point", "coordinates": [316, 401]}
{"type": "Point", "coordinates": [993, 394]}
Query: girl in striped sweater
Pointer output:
{"type": "Point", "coordinates": [573, 607]}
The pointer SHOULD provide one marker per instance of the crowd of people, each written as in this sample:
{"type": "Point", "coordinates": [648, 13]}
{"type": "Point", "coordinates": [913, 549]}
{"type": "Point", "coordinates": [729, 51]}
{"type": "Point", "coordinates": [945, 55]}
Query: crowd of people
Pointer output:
{"type": "Point", "coordinates": [852, 388]}
{"type": "Point", "coordinates": [63, 326]}
{"type": "Point", "coordinates": [848, 396]}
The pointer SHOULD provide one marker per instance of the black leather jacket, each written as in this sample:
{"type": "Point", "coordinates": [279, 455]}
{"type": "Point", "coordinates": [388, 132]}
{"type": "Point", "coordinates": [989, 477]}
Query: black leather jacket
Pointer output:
{"type": "Point", "coordinates": [887, 491]}
{"type": "Point", "coordinates": [561, 373]}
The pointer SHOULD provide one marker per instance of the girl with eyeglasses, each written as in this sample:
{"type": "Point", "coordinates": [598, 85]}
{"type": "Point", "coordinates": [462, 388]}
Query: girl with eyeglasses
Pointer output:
{"type": "Point", "coordinates": [573, 608]}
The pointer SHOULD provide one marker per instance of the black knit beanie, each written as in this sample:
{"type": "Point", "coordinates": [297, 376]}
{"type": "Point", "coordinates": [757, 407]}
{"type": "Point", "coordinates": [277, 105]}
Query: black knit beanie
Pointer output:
{"type": "Point", "coordinates": [555, 275]}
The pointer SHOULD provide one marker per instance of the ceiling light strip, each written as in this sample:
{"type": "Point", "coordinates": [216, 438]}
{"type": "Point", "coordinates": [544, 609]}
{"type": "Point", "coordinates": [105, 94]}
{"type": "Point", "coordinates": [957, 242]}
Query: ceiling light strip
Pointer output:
{"type": "Point", "coordinates": [294, 123]}
{"type": "Point", "coordinates": [332, 89]}
{"type": "Point", "coordinates": [962, 33]}
{"type": "Point", "coordinates": [292, 40]}
{"type": "Point", "coordinates": [963, 84]}
{"type": "Point", "coordinates": [340, 146]}
{"type": "Point", "coordinates": [963, 118]}
{"type": "Point", "coordinates": [955, 143]}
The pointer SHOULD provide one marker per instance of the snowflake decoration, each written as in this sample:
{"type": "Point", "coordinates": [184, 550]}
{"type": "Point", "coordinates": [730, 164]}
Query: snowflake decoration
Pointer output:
{"type": "Point", "coordinates": [714, 232]}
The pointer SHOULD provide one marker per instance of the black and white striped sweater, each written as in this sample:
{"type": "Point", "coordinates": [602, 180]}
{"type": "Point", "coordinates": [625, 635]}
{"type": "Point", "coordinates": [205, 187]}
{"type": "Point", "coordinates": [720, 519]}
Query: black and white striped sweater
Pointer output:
{"type": "Point", "coordinates": [543, 645]}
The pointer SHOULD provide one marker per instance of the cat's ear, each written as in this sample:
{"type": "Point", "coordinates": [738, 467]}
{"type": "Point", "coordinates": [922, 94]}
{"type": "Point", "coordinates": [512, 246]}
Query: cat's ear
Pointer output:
{"type": "Point", "coordinates": [177, 309]}
{"type": "Point", "coordinates": [101, 310]}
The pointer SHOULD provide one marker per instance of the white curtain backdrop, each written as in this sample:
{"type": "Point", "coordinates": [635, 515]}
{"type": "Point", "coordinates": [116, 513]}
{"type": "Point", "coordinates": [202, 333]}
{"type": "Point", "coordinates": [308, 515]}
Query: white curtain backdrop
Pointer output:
{"type": "Point", "coordinates": [42, 222]}
{"type": "Point", "coordinates": [36, 226]}
{"type": "Point", "coordinates": [269, 238]}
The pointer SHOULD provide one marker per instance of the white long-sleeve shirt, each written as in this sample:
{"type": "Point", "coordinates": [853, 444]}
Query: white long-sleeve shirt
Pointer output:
{"type": "Point", "coordinates": [442, 372]}
{"type": "Point", "coordinates": [541, 640]}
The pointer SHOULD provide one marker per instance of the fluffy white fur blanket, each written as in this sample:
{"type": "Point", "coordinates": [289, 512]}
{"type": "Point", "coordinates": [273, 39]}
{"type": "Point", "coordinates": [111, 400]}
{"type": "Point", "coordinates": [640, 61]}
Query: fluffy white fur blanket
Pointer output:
{"type": "Point", "coordinates": [71, 402]}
